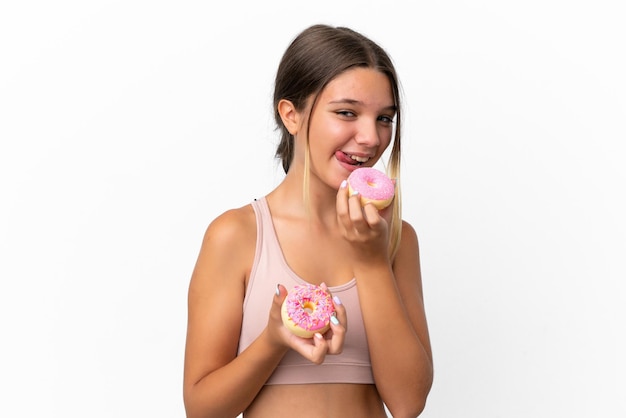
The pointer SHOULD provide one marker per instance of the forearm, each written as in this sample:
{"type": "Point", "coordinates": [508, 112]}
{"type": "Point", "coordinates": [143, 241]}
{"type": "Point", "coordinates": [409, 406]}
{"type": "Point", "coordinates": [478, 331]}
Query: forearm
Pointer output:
{"type": "Point", "coordinates": [401, 362]}
{"type": "Point", "coordinates": [226, 392]}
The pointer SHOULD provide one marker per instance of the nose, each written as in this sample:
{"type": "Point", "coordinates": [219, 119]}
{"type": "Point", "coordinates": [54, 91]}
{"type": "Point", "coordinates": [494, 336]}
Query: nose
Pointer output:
{"type": "Point", "coordinates": [368, 134]}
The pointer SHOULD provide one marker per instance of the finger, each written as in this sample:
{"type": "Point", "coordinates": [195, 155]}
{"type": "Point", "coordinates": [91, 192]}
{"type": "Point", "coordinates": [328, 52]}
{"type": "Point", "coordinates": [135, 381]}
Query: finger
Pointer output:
{"type": "Point", "coordinates": [279, 296]}
{"type": "Point", "coordinates": [355, 209]}
{"type": "Point", "coordinates": [340, 312]}
{"type": "Point", "coordinates": [338, 336]}
{"type": "Point", "coordinates": [372, 216]}
{"type": "Point", "coordinates": [320, 349]}
{"type": "Point", "coordinates": [387, 213]}
{"type": "Point", "coordinates": [313, 349]}
{"type": "Point", "coordinates": [342, 202]}
{"type": "Point", "coordinates": [275, 324]}
{"type": "Point", "coordinates": [339, 327]}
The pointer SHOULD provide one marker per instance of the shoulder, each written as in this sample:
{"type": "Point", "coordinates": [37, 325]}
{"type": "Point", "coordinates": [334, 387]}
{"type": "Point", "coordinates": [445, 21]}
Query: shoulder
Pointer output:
{"type": "Point", "coordinates": [408, 237]}
{"type": "Point", "coordinates": [231, 230]}
{"type": "Point", "coordinates": [228, 245]}
{"type": "Point", "coordinates": [233, 226]}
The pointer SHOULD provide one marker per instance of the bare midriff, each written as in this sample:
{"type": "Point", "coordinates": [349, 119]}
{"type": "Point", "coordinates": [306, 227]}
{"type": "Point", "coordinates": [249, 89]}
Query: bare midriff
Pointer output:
{"type": "Point", "coordinates": [317, 400]}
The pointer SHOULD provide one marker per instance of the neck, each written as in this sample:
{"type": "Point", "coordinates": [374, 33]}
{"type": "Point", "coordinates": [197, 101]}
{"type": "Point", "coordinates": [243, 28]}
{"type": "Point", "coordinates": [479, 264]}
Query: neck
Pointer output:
{"type": "Point", "coordinates": [289, 198]}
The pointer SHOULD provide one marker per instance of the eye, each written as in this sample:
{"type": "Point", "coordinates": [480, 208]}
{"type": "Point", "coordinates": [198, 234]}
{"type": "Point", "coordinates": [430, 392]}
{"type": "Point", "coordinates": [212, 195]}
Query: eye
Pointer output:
{"type": "Point", "coordinates": [346, 113]}
{"type": "Point", "coordinates": [387, 120]}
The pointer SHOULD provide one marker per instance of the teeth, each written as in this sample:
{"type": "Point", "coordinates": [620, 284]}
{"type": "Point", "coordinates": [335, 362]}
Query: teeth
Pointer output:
{"type": "Point", "coordinates": [359, 159]}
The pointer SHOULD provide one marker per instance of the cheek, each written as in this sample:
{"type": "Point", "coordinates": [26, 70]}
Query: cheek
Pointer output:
{"type": "Point", "coordinates": [385, 135]}
{"type": "Point", "coordinates": [329, 133]}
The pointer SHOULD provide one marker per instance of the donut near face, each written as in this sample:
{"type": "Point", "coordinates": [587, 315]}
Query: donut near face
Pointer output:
{"type": "Point", "coordinates": [307, 310]}
{"type": "Point", "coordinates": [373, 185]}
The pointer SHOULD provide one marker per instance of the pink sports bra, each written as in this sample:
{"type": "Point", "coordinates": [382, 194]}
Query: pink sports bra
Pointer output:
{"type": "Point", "coordinates": [270, 268]}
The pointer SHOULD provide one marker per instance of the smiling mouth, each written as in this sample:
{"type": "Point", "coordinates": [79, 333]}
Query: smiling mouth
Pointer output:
{"type": "Point", "coordinates": [359, 160]}
{"type": "Point", "coordinates": [351, 159]}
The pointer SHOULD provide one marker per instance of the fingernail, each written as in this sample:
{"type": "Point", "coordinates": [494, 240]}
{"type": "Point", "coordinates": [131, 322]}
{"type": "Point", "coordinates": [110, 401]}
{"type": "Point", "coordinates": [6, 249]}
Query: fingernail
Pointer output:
{"type": "Point", "coordinates": [336, 300]}
{"type": "Point", "coordinates": [334, 320]}
{"type": "Point", "coordinates": [355, 193]}
{"type": "Point", "coordinates": [343, 184]}
{"type": "Point", "coordinates": [277, 290]}
{"type": "Point", "coordinates": [318, 336]}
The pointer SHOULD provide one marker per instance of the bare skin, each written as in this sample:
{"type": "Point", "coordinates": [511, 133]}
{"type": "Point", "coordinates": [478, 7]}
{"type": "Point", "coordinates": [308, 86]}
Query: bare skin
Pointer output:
{"type": "Point", "coordinates": [352, 116]}
{"type": "Point", "coordinates": [332, 400]}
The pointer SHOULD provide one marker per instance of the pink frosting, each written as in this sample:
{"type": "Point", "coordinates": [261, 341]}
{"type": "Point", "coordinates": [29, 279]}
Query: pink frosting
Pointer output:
{"type": "Point", "coordinates": [319, 304]}
{"type": "Point", "coordinates": [371, 183]}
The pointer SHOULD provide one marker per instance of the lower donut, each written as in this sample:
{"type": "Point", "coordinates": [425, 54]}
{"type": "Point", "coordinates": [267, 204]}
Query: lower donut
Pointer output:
{"type": "Point", "coordinates": [307, 310]}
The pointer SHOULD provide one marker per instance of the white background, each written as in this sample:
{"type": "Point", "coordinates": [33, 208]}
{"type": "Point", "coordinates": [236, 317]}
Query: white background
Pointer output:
{"type": "Point", "coordinates": [127, 126]}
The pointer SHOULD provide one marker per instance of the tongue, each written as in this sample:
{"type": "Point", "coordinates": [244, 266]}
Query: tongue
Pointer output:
{"type": "Point", "coordinates": [344, 158]}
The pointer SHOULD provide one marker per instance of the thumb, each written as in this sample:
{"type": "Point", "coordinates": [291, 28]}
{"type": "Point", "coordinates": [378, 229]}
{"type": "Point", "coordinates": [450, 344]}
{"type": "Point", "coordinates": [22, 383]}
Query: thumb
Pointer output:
{"type": "Point", "coordinates": [279, 297]}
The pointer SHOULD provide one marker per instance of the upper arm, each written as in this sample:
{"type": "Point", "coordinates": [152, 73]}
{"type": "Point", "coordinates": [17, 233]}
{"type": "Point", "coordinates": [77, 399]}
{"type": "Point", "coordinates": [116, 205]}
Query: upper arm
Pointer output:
{"type": "Point", "coordinates": [408, 275]}
{"type": "Point", "coordinates": [216, 293]}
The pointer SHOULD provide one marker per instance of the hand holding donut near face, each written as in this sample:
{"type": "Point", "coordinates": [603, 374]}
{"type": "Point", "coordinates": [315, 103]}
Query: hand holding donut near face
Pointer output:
{"type": "Point", "coordinates": [373, 187]}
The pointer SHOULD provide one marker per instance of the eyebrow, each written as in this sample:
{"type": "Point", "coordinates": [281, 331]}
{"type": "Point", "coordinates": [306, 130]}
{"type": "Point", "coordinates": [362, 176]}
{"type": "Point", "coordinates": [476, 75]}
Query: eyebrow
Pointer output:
{"type": "Point", "coordinates": [393, 108]}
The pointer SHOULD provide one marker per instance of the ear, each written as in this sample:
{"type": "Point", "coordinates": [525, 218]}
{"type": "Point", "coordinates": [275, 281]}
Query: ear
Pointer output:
{"type": "Point", "coordinates": [289, 115]}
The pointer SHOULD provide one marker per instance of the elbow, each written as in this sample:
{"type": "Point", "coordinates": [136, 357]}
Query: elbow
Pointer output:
{"type": "Point", "coordinates": [192, 409]}
{"type": "Point", "coordinates": [201, 408]}
{"type": "Point", "coordinates": [195, 413]}
{"type": "Point", "coordinates": [412, 405]}
{"type": "Point", "coordinates": [412, 410]}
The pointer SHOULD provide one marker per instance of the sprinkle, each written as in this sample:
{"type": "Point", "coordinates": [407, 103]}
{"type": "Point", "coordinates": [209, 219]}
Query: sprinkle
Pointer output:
{"type": "Point", "coordinates": [309, 307]}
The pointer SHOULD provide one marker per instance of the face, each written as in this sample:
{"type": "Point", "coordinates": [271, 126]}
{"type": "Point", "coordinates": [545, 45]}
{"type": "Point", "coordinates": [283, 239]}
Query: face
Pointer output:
{"type": "Point", "coordinates": [351, 124]}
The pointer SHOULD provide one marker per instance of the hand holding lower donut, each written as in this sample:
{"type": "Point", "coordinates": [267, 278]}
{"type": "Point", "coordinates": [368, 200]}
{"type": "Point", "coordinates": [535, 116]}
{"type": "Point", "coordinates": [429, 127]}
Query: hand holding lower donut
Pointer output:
{"type": "Point", "coordinates": [314, 348]}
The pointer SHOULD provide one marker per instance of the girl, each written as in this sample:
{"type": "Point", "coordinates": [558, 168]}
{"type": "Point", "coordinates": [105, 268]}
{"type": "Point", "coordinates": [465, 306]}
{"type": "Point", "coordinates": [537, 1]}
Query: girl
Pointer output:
{"type": "Point", "coordinates": [336, 102]}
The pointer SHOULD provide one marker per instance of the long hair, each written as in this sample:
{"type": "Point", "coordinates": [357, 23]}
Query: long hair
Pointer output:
{"type": "Point", "coordinates": [314, 58]}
